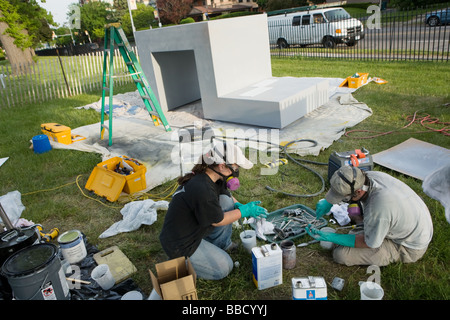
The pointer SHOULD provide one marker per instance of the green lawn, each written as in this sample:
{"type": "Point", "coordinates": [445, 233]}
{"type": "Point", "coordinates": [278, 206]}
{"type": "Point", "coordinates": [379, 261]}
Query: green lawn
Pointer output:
{"type": "Point", "coordinates": [411, 87]}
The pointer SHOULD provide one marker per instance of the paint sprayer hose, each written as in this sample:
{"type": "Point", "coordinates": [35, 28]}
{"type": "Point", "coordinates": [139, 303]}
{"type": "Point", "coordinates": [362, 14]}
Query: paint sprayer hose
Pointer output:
{"type": "Point", "coordinates": [297, 161]}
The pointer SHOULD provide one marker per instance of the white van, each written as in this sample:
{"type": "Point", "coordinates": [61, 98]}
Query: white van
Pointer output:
{"type": "Point", "coordinates": [328, 27]}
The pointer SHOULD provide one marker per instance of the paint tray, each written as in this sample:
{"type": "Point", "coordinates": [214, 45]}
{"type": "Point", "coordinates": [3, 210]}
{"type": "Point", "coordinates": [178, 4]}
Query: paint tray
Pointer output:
{"type": "Point", "coordinates": [277, 216]}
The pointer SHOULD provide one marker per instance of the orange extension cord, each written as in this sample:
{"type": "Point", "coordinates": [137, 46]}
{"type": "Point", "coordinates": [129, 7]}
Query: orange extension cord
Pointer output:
{"type": "Point", "coordinates": [424, 121]}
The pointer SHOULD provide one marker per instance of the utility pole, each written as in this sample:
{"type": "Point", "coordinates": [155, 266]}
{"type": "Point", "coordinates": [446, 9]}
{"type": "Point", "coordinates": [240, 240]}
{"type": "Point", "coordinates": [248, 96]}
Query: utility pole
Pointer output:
{"type": "Point", "coordinates": [132, 6]}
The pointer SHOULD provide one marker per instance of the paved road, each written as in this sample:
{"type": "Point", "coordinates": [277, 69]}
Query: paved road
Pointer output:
{"type": "Point", "coordinates": [408, 37]}
{"type": "Point", "coordinates": [406, 40]}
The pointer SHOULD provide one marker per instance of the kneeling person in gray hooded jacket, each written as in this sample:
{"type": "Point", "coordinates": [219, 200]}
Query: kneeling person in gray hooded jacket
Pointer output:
{"type": "Point", "coordinates": [397, 223]}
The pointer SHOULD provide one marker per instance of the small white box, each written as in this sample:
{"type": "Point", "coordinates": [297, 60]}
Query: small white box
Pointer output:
{"type": "Point", "coordinates": [309, 288]}
{"type": "Point", "coordinates": [267, 262]}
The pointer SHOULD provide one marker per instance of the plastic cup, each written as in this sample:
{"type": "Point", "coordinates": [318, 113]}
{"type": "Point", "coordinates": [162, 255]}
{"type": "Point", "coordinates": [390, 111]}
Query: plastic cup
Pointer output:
{"type": "Point", "coordinates": [326, 244]}
{"type": "Point", "coordinates": [132, 295]}
{"type": "Point", "coordinates": [248, 238]}
{"type": "Point", "coordinates": [102, 275]}
{"type": "Point", "coordinates": [371, 291]}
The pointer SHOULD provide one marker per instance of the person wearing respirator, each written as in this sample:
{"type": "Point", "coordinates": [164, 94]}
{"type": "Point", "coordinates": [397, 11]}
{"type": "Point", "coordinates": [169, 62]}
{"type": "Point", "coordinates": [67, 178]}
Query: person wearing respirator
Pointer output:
{"type": "Point", "coordinates": [397, 223]}
{"type": "Point", "coordinates": [198, 221]}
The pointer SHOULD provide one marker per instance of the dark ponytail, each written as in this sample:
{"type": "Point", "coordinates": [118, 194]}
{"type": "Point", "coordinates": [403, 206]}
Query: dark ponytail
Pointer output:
{"type": "Point", "coordinates": [197, 169]}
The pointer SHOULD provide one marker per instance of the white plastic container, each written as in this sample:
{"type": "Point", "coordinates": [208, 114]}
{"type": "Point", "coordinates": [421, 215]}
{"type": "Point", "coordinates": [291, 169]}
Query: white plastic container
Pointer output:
{"type": "Point", "coordinates": [102, 275]}
{"type": "Point", "coordinates": [248, 238]}
{"type": "Point", "coordinates": [326, 244]}
{"type": "Point", "coordinates": [371, 290]}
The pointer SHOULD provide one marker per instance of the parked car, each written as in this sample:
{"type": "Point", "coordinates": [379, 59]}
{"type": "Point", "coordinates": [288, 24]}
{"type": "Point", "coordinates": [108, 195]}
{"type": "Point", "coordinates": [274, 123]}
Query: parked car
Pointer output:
{"type": "Point", "coordinates": [438, 17]}
{"type": "Point", "coordinates": [321, 26]}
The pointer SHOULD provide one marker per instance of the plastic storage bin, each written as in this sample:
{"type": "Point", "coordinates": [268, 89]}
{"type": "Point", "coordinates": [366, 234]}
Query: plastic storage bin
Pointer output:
{"type": "Point", "coordinates": [106, 182]}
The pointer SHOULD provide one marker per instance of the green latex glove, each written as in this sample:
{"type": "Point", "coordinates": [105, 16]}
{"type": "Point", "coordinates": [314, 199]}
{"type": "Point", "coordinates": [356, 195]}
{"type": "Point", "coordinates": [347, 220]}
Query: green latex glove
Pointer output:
{"type": "Point", "coordinates": [252, 209]}
{"type": "Point", "coordinates": [322, 208]}
{"type": "Point", "coordinates": [237, 205]}
{"type": "Point", "coordinates": [347, 240]}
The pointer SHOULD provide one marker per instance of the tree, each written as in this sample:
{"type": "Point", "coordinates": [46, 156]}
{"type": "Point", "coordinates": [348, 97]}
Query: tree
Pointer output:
{"type": "Point", "coordinates": [172, 11]}
{"type": "Point", "coordinates": [262, 4]}
{"type": "Point", "coordinates": [15, 38]}
{"type": "Point", "coordinates": [273, 5]}
{"type": "Point", "coordinates": [143, 18]}
{"type": "Point", "coordinates": [405, 4]}
{"type": "Point", "coordinates": [93, 18]}
{"type": "Point", "coordinates": [23, 25]}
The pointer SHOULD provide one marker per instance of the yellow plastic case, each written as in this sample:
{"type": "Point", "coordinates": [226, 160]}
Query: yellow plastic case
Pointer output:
{"type": "Point", "coordinates": [57, 132]}
{"type": "Point", "coordinates": [105, 182]}
{"type": "Point", "coordinates": [355, 83]}
{"type": "Point", "coordinates": [60, 133]}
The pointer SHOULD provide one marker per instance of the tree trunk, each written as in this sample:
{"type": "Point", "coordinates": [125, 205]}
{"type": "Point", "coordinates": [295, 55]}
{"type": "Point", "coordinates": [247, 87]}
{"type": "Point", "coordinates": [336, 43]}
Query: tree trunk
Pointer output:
{"type": "Point", "coordinates": [20, 60]}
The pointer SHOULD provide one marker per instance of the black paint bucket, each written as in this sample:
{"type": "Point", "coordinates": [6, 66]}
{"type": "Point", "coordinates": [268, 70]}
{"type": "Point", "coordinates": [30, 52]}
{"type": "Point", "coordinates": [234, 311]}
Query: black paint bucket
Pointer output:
{"type": "Point", "coordinates": [35, 273]}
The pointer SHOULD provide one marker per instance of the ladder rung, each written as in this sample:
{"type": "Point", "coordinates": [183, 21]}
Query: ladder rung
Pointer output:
{"type": "Point", "coordinates": [138, 76]}
{"type": "Point", "coordinates": [124, 75]}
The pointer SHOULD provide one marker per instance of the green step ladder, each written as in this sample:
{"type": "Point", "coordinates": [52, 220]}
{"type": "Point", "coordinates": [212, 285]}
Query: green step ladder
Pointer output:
{"type": "Point", "coordinates": [114, 35]}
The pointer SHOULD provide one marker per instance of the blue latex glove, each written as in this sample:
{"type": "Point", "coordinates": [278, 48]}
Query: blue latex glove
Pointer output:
{"type": "Point", "coordinates": [322, 208]}
{"type": "Point", "coordinates": [252, 209]}
{"type": "Point", "coordinates": [347, 240]}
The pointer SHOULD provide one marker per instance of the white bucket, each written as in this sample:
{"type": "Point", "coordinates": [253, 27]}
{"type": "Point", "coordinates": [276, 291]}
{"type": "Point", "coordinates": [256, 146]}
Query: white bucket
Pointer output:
{"type": "Point", "coordinates": [371, 291]}
{"type": "Point", "coordinates": [102, 275]}
{"type": "Point", "coordinates": [326, 244]}
{"type": "Point", "coordinates": [248, 238]}
{"type": "Point", "coordinates": [72, 246]}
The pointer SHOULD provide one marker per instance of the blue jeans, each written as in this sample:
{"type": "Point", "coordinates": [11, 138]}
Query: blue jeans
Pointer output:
{"type": "Point", "coordinates": [210, 260]}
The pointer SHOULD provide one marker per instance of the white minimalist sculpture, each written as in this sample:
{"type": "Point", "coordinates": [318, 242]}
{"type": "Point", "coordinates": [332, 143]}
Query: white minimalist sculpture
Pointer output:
{"type": "Point", "coordinates": [225, 63]}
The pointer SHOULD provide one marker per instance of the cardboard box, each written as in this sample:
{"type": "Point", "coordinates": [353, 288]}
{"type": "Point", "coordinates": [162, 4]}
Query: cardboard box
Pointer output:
{"type": "Point", "coordinates": [175, 280]}
{"type": "Point", "coordinates": [309, 288]}
{"type": "Point", "coordinates": [267, 262]}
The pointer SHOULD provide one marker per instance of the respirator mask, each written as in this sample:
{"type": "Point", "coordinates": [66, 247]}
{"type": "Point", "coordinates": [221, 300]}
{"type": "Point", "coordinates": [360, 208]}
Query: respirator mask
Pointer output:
{"type": "Point", "coordinates": [233, 179]}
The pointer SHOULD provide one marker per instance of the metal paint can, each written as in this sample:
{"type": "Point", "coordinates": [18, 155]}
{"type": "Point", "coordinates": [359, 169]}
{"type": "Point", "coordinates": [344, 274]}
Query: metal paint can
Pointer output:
{"type": "Point", "coordinates": [72, 246]}
{"type": "Point", "coordinates": [289, 254]}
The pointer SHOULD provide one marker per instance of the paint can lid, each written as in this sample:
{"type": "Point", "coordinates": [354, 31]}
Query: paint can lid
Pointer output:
{"type": "Point", "coordinates": [69, 236]}
{"type": "Point", "coordinates": [29, 259]}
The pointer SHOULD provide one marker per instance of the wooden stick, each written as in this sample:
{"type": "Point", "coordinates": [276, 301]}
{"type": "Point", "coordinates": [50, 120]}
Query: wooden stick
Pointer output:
{"type": "Point", "coordinates": [78, 280]}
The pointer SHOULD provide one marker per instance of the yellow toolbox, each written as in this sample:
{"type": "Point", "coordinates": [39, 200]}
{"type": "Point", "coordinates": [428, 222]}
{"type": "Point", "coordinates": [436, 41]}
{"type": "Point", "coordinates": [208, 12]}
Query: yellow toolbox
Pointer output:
{"type": "Point", "coordinates": [355, 81]}
{"type": "Point", "coordinates": [60, 133]}
{"type": "Point", "coordinates": [109, 178]}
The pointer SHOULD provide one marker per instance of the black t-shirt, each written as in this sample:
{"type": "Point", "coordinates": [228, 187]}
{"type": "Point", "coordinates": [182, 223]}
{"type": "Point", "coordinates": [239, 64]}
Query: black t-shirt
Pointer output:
{"type": "Point", "coordinates": [192, 211]}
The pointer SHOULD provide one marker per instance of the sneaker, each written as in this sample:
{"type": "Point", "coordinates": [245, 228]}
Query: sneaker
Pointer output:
{"type": "Point", "coordinates": [231, 247]}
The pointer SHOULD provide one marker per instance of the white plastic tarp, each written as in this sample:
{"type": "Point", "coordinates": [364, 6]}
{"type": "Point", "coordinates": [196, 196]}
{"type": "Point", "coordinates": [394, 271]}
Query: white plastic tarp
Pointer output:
{"type": "Point", "coordinates": [134, 134]}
